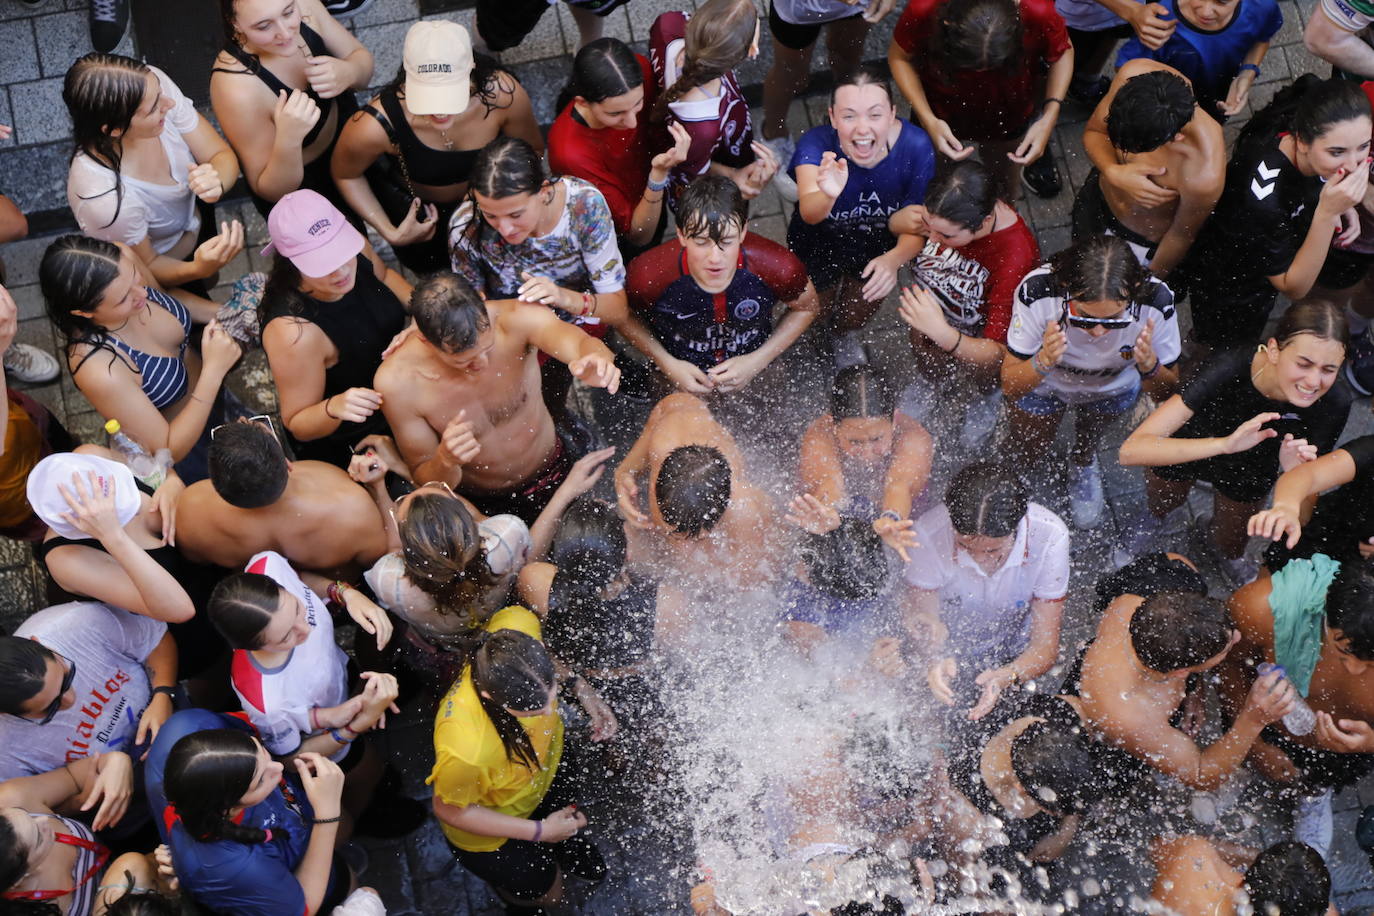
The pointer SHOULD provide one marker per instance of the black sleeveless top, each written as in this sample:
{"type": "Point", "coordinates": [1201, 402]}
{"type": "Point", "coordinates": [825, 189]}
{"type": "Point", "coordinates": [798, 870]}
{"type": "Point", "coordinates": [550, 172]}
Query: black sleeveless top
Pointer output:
{"type": "Point", "coordinates": [360, 325]}
{"type": "Point", "coordinates": [616, 635]}
{"type": "Point", "coordinates": [426, 165]}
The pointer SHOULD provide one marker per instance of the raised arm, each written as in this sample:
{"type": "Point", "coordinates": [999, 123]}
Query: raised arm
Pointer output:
{"type": "Point", "coordinates": [1296, 492]}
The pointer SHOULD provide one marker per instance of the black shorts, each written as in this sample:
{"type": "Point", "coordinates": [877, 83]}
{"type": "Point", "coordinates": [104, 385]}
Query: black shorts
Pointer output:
{"type": "Point", "coordinates": [1326, 769]}
{"type": "Point", "coordinates": [831, 252]}
{"type": "Point", "coordinates": [1237, 481]}
{"type": "Point", "coordinates": [528, 498]}
{"type": "Point", "coordinates": [1343, 269]}
{"type": "Point", "coordinates": [799, 37]}
{"type": "Point", "coordinates": [1092, 216]}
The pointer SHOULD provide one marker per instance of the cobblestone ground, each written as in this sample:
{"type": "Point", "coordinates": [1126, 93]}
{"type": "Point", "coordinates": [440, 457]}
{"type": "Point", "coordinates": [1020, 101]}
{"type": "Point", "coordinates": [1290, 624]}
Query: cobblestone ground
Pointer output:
{"type": "Point", "coordinates": [417, 875]}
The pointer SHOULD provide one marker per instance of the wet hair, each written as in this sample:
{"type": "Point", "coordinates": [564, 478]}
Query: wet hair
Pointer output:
{"type": "Point", "coordinates": [1288, 879]}
{"type": "Point", "coordinates": [1316, 317]}
{"type": "Point", "coordinates": [849, 562]}
{"type": "Point", "coordinates": [717, 40]}
{"type": "Point", "coordinates": [135, 902]}
{"type": "Point", "coordinates": [444, 558]}
{"type": "Point", "coordinates": [283, 285]}
{"type": "Point", "coordinates": [975, 35]}
{"type": "Point", "coordinates": [23, 672]}
{"type": "Point", "coordinates": [863, 75]}
{"type": "Point", "coordinates": [505, 167]}
{"type": "Point", "coordinates": [1350, 606]}
{"type": "Point", "coordinates": [1307, 108]}
{"type": "Point", "coordinates": [693, 488]}
{"type": "Point", "coordinates": [1100, 267]}
{"type": "Point", "coordinates": [1175, 630]}
{"type": "Point", "coordinates": [986, 500]}
{"type": "Point", "coordinates": [965, 193]}
{"type": "Point", "coordinates": [602, 70]}
{"type": "Point", "coordinates": [247, 466]}
{"type": "Point", "coordinates": [449, 312]}
{"type": "Point", "coordinates": [1149, 110]}
{"type": "Point", "coordinates": [711, 207]}
{"type": "Point", "coordinates": [103, 92]}
{"type": "Point", "coordinates": [241, 607]}
{"type": "Point", "coordinates": [14, 859]}
{"type": "Point", "coordinates": [1051, 760]}
{"type": "Point", "coordinates": [206, 774]}
{"type": "Point", "coordinates": [861, 391]}
{"type": "Point", "coordinates": [74, 274]}
{"type": "Point", "coordinates": [589, 552]}
{"type": "Point", "coordinates": [515, 671]}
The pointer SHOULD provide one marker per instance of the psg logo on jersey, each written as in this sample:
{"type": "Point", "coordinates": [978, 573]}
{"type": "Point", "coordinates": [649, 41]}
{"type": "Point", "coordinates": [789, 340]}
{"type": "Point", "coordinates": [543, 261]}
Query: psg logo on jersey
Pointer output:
{"type": "Point", "coordinates": [1128, 353]}
{"type": "Point", "coordinates": [747, 309]}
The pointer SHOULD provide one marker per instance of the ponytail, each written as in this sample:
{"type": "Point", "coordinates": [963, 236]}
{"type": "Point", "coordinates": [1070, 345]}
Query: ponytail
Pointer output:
{"type": "Point", "coordinates": [512, 670]}
{"type": "Point", "coordinates": [718, 38]}
{"type": "Point", "coordinates": [206, 774]}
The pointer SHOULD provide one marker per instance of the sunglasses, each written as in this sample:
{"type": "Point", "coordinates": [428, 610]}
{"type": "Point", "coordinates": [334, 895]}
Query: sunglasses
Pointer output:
{"type": "Point", "coordinates": [431, 486]}
{"type": "Point", "coordinates": [1088, 322]}
{"type": "Point", "coordinates": [261, 419]}
{"type": "Point", "coordinates": [56, 704]}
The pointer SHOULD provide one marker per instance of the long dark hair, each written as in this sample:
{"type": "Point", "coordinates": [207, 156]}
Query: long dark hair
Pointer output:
{"type": "Point", "coordinates": [986, 500]}
{"type": "Point", "coordinates": [444, 557]}
{"type": "Point", "coordinates": [1307, 108]}
{"type": "Point", "coordinates": [965, 193]}
{"type": "Point", "coordinates": [503, 168]}
{"type": "Point", "coordinates": [975, 35]}
{"type": "Point", "coordinates": [589, 552]}
{"type": "Point", "coordinates": [602, 70]}
{"type": "Point", "coordinates": [206, 774]}
{"type": "Point", "coordinates": [861, 391]}
{"type": "Point", "coordinates": [1100, 267]}
{"type": "Point", "coordinates": [514, 670]}
{"type": "Point", "coordinates": [75, 273]}
{"type": "Point", "coordinates": [14, 860]}
{"type": "Point", "coordinates": [241, 607]}
{"type": "Point", "coordinates": [103, 92]}
{"type": "Point", "coordinates": [718, 38]}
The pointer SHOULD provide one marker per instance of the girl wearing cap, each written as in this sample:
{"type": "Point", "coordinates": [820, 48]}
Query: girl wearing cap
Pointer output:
{"type": "Point", "coordinates": [290, 65]}
{"type": "Point", "coordinates": [148, 169]}
{"type": "Point", "coordinates": [330, 308]}
{"type": "Point", "coordinates": [499, 748]}
{"type": "Point", "coordinates": [126, 343]}
{"type": "Point", "coordinates": [426, 128]}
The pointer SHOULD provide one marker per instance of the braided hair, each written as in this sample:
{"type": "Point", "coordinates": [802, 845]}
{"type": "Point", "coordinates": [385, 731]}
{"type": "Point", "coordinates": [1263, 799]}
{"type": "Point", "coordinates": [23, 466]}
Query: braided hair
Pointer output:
{"type": "Point", "coordinates": [719, 36]}
{"type": "Point", "coordinates": [206, 774]}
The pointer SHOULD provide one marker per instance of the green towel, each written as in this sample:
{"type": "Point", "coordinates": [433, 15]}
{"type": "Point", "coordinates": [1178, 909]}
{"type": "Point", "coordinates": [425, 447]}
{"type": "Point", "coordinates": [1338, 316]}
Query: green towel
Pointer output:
{"type": "Point", "coordinates": [1297, 597]}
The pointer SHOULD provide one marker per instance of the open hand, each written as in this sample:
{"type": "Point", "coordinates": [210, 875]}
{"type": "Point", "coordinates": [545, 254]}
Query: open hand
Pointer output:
{"type": "Point", "coordinates": [596, 371]}
{"type": "Point", "coordinates": [811, 515]}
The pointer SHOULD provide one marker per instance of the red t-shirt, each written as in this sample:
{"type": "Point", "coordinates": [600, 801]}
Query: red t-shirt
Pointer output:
{"type": "Point", "coordinates": [977, 283]}
{"type": "Point", "coordinates": [985, 105]}
{"type": "Point", "coordinates": [615, 161]}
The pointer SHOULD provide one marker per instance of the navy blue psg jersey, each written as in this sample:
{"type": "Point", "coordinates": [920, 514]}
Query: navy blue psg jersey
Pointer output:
{"type": "Point", "coordinates": [705, 329]}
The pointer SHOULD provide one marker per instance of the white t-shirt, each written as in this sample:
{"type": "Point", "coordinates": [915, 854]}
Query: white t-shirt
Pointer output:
{"type": "Point", "coordinates": [161, 213]}
{"type": "Point", "coordinates": [108, 646]}
{"type": "Point", "coordinates": [278, 700]}
{"type": "Point", "coordinates": [1092, 368]}
{"type": "Point", "coordinates": [989, 615]}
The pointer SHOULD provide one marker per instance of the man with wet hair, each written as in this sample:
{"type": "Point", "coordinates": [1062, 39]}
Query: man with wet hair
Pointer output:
{"type": "Point", "coordinates": [1135, 676]}
{"type": "Point", "coordinates": [1314, 617]}
{"type": "Point", "coordinates": [1196, 875]}
{"type": "Point", "coordinates": [702, 305]}
{"type": "Point", "coordinates": [1159, 165]}
{"type": "Point", "coordinates": [310, 512]}
{"type": "Point", "coordinates": [706, 521]}
{"type": "Point", "coordinates": [463, 398]}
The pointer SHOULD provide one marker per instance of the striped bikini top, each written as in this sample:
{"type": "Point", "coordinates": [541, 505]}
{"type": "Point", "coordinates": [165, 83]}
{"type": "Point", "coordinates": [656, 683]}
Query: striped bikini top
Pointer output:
{"type": "Point", "coordinates": [91, 857]}
{"type": "Point", "coordinates": [163, 378]}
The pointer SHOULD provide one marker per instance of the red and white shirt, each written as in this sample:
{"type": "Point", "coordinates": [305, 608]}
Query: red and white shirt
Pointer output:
{"type": "Point", "coordinates": [278, 700]}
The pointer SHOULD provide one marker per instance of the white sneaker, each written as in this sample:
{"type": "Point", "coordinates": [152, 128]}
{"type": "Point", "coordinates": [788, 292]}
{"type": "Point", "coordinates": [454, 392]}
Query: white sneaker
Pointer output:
{"type": "Point", "coordinates": [1312, 822]}
{"type": "Point", "coordinates": [30, 365]}
{"type": "Point", "coordinates": [783, 147]}
{"type": "Point", "coordinates": [849, 350]}
{"type": "Point", "coordinates": [980, 420]}
{"type": "Point", "coordinates": [1085, 494]}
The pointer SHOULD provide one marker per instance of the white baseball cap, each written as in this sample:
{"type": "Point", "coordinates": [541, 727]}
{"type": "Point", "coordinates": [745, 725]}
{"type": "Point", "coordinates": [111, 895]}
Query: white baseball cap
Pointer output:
{"type": "Point", "coordinates": [47, 500]}
{"type": "Point", "coordinates": [438, 62]}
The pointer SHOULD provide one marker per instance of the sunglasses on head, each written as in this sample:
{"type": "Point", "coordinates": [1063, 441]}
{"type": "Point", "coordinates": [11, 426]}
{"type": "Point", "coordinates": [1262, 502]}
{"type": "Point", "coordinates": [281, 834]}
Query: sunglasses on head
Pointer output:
{"type": "Point", "coordinates": [56, 704]}
{"type": "Point", "coordinates": [1088, 322]}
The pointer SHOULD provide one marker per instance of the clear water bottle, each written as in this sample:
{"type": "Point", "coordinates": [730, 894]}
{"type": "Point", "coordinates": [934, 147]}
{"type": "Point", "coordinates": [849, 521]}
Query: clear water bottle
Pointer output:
{"type": "Point", "coordinates": [1301, 719]}
{"type": "Point", "coordinates": [135, 457]}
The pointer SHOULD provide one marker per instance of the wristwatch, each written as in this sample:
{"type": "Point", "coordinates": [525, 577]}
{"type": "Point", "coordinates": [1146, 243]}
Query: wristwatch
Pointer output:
{"type": "Point", "coordinates": [1244, 67]}
{"type": "Point", "coordinates": [169, 692]}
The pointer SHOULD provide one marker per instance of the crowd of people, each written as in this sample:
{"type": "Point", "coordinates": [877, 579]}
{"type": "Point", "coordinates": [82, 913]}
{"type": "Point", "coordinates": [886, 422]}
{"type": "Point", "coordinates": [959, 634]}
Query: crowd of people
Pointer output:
{"type": "Point", "coordinates": [466, 311]}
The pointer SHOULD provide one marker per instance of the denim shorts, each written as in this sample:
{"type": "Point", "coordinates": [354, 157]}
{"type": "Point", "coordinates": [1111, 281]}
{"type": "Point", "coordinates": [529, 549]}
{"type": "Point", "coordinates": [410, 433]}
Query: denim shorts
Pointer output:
{"type": "Point", "coordinates": [1038, 404]}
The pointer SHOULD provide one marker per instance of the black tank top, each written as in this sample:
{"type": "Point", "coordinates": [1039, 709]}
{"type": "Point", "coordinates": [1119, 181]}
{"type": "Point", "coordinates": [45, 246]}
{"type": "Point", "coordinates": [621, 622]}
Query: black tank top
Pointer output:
{"type": "Point", "coordinates": [616, 635]}
{"type": "Point", "coordinates": [360, 325]}
{"type": "Point", "coordinates": [427, 165]}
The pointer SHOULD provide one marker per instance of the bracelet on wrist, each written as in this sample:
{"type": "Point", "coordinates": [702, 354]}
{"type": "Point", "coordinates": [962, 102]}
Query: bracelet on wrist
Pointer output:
{"type": "Point", "coordinates": [334, 733]}
{"type": "Point", "coordinates": [652, 185]}
{"type": "Point", "coordinates": [327, 412]}
{"type": "Point", "coordinates": [328, 820]}
{"type": "Point", "coordinates": [1154, 370]}
{"type": "Point", "coordinates": [890, 514]}
{"type": "Point", "coordinates": [1038, 366]}
{"type": "Point", "coordinates": [958, 339]}
{"type": "Point", "coordinates": [538, 831]}
{"type": "Point", "coordinates": [166, 691]}
{"type": "Point", "coordinates": [1253, 68]}
{"type": "Point", "coordinates": [335, 593]}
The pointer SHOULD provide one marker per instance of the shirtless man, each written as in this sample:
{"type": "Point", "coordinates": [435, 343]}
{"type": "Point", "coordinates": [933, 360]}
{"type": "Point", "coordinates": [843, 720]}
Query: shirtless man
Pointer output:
{"type": "Point", "coordinates": [463, 400]}
{"type": "Point", "coordinates": [1160, 165]}
{"type": "Point", "coordinates": [1329, 609]}
{"type": "Point", "coordinates": [1135, 676]}
{"type": "Point", "coordinates": [1195, 876]}
{"type": "Point", "coordinates": [709, 523]}
{"type": "Point", "coordinates": [310, 512]}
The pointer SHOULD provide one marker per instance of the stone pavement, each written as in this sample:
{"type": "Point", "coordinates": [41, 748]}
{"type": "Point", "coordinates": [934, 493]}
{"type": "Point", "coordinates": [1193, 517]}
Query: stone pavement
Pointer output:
{"type": "Point", "coordinates": [649, 874]}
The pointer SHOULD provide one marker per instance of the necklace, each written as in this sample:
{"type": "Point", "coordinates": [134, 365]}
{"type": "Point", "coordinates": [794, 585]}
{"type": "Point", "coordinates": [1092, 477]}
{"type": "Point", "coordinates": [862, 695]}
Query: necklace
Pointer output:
{"type": "Point", "coordinates": [448, 144]}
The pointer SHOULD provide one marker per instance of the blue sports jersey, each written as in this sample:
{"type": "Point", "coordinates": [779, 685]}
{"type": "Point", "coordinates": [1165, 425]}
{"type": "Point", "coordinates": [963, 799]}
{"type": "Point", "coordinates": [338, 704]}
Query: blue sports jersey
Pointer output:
{"type": "Point", "coordinates": [246, 879]}
{"type": "Point", "coordinates": [1210, 60]}
{"type": "Point", "coordinates": [870, 196]}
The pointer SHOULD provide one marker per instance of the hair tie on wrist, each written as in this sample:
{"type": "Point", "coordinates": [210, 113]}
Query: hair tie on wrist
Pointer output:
{"type": "Point", "coordinates": [652, 185]}
{"type": "Point", "coordinates": [538, 831]}
{"type": "Point", "coordinates": [326, 409]}
{"type": "Point", "coordinates": [328, 820]}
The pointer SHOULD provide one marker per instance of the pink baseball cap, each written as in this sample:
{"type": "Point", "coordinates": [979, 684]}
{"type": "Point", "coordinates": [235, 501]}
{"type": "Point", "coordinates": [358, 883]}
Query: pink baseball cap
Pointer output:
{"type": "Point", "coordinates": [312, 233]}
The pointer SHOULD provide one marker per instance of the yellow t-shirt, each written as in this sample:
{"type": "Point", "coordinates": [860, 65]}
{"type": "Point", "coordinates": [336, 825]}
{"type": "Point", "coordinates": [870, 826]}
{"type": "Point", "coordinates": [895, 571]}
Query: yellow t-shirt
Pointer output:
{"type": "Point", "coordinates": [470, 765]}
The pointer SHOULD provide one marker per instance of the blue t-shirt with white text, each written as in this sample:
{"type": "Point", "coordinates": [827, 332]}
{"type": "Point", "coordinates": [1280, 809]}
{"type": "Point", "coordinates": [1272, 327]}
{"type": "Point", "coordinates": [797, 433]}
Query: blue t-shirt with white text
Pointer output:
{"type": "Point", "coordinates": [870, 196]}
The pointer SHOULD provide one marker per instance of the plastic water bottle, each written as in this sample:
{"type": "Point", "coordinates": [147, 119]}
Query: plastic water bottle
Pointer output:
{"type": "Point", "coordinates": [135, 457]}
{"type": "Point", "coordinates": [1301, 719]}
